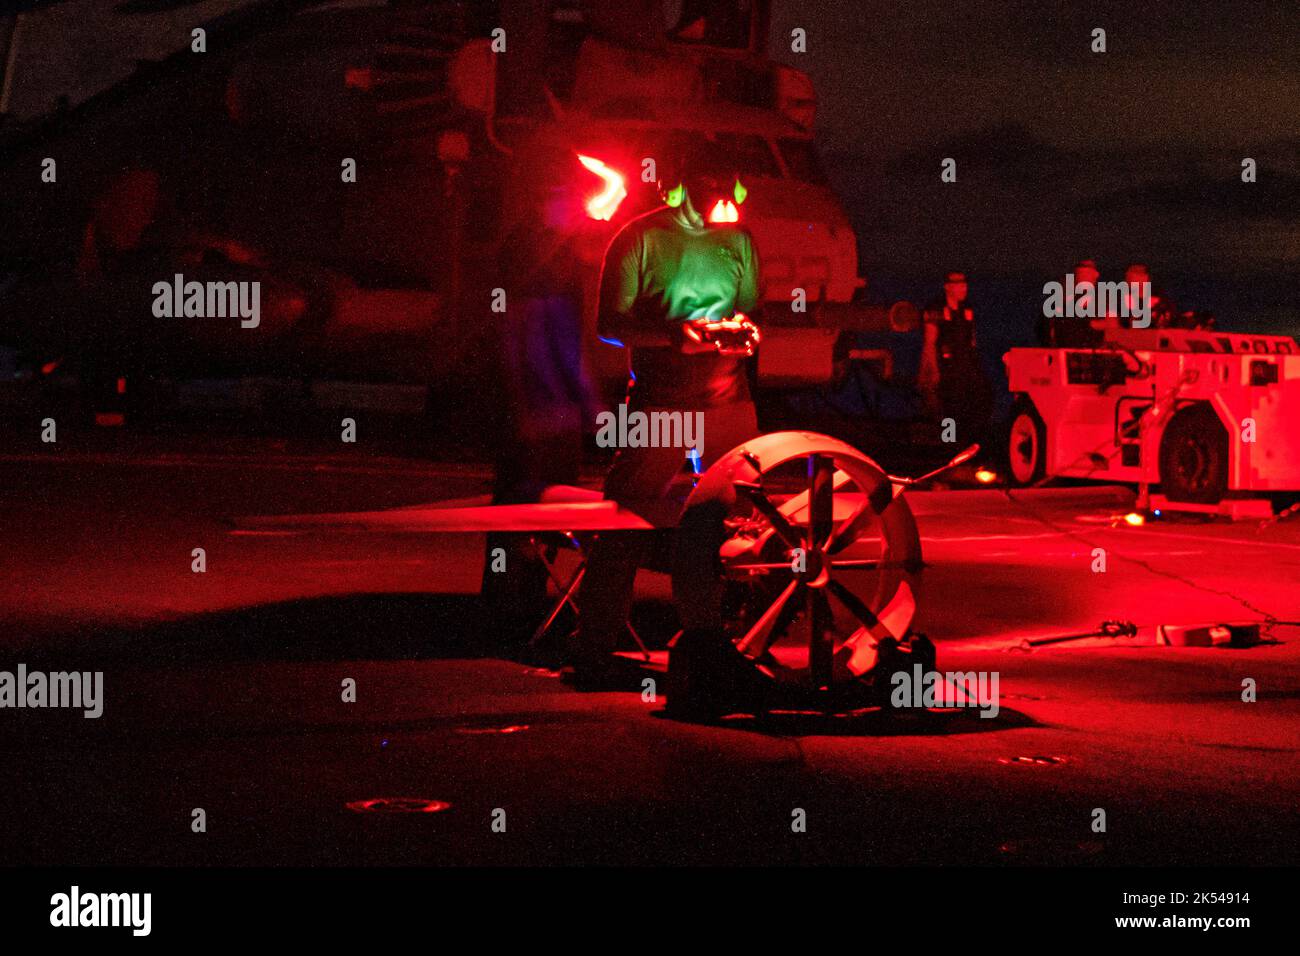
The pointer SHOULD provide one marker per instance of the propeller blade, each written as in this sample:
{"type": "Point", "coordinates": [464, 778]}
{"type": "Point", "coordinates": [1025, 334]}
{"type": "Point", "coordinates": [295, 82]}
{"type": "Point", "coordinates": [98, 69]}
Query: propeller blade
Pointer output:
{"type": "Point", "coordinates": [759, 637]}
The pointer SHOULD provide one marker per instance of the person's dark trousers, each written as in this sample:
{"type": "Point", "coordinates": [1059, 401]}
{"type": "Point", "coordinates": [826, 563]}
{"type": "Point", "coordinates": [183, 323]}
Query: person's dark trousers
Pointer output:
{"type": "Point", "coordinates": [966, 397]}
{"type": "Point", "coordinates": [640, 479]}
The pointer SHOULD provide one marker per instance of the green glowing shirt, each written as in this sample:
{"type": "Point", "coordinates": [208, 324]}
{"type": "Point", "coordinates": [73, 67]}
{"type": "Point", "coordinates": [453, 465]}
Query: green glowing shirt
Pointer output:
{"type": "Point", "coordinates": [659, 272]}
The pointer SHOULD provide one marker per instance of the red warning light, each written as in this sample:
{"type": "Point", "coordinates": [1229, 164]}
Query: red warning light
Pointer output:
{"type": "Point", "coordinates": [398, 805]}
{"type": "Point", "coordinates": [605, 203]}
{"type": "Point", "coordinates": [724, 210]}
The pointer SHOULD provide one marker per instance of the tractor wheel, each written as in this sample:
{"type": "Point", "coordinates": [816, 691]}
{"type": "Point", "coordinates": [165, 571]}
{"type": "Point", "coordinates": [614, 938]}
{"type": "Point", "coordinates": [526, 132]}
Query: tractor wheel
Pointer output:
{"type": "Point", "coordinates": [795, 557]}
{"type": "Point", "coordinates": [1194, 456]}
{"type": "Point", "coordinates": [1026, 445]}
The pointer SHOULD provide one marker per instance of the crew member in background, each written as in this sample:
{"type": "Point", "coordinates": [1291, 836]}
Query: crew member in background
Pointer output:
{"type": "Point", "coordinates": [1086, 277]}
{"type": "Point", "coordinates": [1136, 293]}
{"type": "Point", "coordinates": [1164, 314]}
{"type": "Point", "coordinates": [951, 378]}
{"type": "Point", "coordinates": [546, 395]}
{"type": "Point", "coordinates": [677, 290]}
{"type": "Point", "coordinates": [1071, 329]}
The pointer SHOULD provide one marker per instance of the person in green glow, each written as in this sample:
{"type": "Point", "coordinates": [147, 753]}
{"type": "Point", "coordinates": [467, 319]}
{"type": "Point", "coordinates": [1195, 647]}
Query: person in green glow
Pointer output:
{"type": "Point", "coordinates": [678, 291]}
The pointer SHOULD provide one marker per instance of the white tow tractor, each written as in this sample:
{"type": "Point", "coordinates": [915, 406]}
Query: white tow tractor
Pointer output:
{"type": "Point", "coordinates": [1208, 420]}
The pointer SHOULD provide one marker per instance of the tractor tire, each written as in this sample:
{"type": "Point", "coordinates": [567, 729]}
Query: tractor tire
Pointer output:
{"type": "Point", "coordinates": [1194, 457]}
{"type": "Point", "coordinates": [1026, 445]}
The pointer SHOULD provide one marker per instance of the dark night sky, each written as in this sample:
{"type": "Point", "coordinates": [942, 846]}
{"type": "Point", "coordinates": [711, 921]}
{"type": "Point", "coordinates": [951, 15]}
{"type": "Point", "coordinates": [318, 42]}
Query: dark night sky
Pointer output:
{"type": "Point", "coordinates": [1180, 71]}
{"type": "Point", "coordinates": [1062, 153]}
{"type": "Point", "coordinates": [891, 74]}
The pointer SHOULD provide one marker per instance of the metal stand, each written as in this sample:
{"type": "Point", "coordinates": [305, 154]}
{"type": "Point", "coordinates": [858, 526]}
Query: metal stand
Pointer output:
{"type": "Point", "coordinates": [567, 589]}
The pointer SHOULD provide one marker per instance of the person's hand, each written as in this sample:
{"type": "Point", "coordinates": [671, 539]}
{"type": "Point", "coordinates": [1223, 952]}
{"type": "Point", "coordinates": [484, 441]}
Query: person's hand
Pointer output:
{"type": "Point", "coordinates": [737, 335]}
{"type": "Point", "coordinates": [749, 334]}
{"type": "Point", "coordinates": [694, 339]}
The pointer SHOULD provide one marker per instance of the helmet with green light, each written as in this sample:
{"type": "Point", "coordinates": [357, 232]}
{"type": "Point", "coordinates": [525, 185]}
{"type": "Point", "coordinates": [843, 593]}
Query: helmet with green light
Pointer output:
{"type": "Point", "coordinates": [698, 174]}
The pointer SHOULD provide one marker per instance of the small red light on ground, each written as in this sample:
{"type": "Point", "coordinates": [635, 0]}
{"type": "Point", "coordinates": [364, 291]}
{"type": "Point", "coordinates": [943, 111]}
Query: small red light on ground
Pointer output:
{"type": "Point", "coordinates": [110, 419]}
{"type": "Point", "coordinates": [358, 78]}
{"type": "Point", "coordinates": [508, 729]}
{"type": "Point", "coordinates": [398, 805]}
{"type": "Point", "coordinates": [121, 386]}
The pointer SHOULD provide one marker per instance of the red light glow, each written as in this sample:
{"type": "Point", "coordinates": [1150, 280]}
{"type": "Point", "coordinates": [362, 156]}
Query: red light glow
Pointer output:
{"type": "Point", "coordinates": [604, 204]}
{"type": "Point", "coordinates": [724, 210]}
{"type": "Point", "coordinates": [398, 805]}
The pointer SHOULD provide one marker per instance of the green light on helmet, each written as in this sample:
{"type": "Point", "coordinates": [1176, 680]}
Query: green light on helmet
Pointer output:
{"type": "Point", "coordinates": [740, 192]}
{"type": "Point", "coordinates": [675, 195]}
